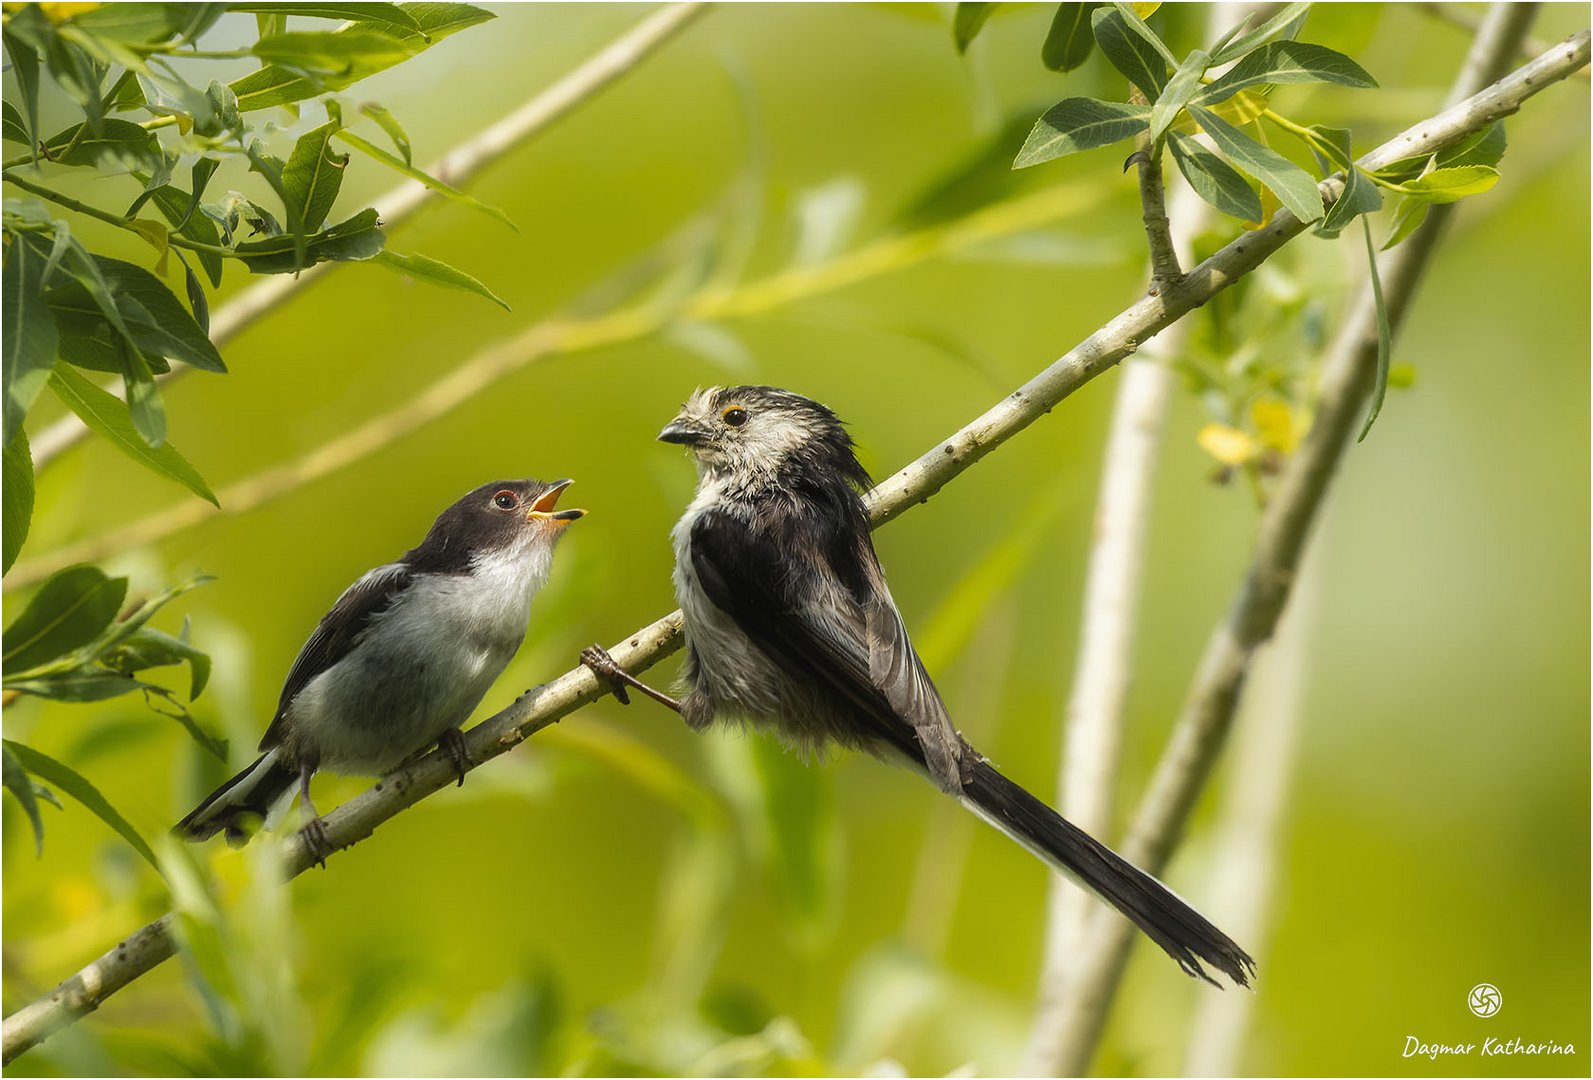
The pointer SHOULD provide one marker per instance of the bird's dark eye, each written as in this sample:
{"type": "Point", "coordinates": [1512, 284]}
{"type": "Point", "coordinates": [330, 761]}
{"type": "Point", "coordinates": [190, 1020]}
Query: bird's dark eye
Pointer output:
{"type": "Point", "coordinates": [505, 500]}
{"type": "Point", "coordinates": [735, 416]}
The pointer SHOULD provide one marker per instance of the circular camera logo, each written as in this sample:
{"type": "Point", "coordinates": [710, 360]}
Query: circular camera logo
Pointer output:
{"type": "Point", "coordinates": [1484, 1000]}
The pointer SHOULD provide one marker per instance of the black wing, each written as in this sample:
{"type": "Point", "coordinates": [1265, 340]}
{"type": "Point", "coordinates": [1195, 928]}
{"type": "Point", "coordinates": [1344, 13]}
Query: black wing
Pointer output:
{"type": "Point", "coordinates": [338, 632]}
{"type": "Point", "coordinates": [815, 602]}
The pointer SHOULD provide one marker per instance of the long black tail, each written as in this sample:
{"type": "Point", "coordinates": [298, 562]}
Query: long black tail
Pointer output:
{"type": "Point", "coordinates": [1178, 928]}
{"type": "Point", "coordinates": [240, 804]}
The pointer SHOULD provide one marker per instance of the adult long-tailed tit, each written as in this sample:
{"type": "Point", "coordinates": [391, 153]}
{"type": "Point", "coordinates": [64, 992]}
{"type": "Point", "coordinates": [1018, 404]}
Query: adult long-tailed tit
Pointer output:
{"type": "Point", "coordinates": [789, 626]}
{"type": "Point", "coordinates": [402, 659]}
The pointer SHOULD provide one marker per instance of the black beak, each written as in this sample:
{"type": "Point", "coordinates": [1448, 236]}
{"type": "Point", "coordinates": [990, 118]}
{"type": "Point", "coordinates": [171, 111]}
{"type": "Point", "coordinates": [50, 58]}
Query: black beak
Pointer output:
{"type": "Point", "coordinates": [684, 432]}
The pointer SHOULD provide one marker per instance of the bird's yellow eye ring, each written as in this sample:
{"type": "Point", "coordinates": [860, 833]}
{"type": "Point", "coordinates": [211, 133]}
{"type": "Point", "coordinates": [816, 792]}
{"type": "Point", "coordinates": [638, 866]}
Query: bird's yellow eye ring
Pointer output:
{"type": "Point", "coordinates": [735, 416]}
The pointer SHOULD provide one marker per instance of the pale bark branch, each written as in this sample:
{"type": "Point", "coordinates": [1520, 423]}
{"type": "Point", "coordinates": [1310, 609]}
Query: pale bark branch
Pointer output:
{"type": "Point", "coordinates": [457, 167]}
{"type": "Point", "coordinates": [1204, 722]}
{"type": "Point", "coordinates": [917, 483]}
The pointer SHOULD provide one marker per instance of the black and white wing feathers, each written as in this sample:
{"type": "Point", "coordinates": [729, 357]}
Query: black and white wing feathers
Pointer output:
{"type": "Point", "coordinates": [338, 632]}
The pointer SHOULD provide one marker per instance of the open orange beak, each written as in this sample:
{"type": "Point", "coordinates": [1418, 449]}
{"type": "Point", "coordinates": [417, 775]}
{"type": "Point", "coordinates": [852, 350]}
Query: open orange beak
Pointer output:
{"type": "Point", "coordinates": [543, 508]}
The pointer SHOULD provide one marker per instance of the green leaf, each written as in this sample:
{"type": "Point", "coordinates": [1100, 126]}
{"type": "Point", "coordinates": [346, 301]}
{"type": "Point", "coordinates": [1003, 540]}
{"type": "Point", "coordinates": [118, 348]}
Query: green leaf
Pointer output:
{"type": "Point", "coordinates": [968, 20]}
{"type": "Point", "coordinates": [25, 69]}
{"type": "Point", "coordinates": [1287, 62]}
{"type": "Point", "coordinates": [28, 336]}
{"type": "Point", "coordinates": [1213, 179]}
{"type": "Point", "coordinates": [178, 208]}
{"type": "Point", "coordinates": [1384, 334]}
{"type": "Point", "coordinates": [12, 127]}
{"type": "Point", "coordinates": [149, 648]}
{"type": "Point", "coordinates": [143, 397]}
{"type": "Point", "coordinates": [78, 74]}
{"type": "Point", "coordinates": [16, 493]}
{"type": "Point", "coordinates": [1180, 88]}
{"type": "Point", "coordinates": [350, 54]}
{"type": "Point", "coordinates": [438, 273]}
{"type": "Point", "coordinates": [262, 162]}
{"type": "Point", "coordinates": [106, 415]}
{"type": "Point", "coordinates": [1129, 53]}
{"type": "Point", "coordinates": [153, 318]}
{"type": "Point", "coordinates": [353, 240]}
{"type": "Point", "coordinates": [437, 21]}
{"type": "Point", "coordinates": [312, 176]}
{"type": "Point", "coordinates": [1293, 185]}
{"type": "Point", "coordinates": [1485, 147]}
{"type": "Point", "coordinates": [1407, 216]}
{"type": "Point", "coordinates": [1285, 24]}
{"type": "Point", "coordinates": [388, 18]}
{"type": "Point", "coordinates": [69, 611]}
{"type": "Point", "coordinates": [413, 173]}
{"type": "Point", "coordinates": [78, 685]}
{"type": "Point", "coordinates": [16, 781]}
{"type": "Point", "coordinates": [1448, 185]}
{"type": "Point", "coordinates": [272, 85]}
{"type": "Point", "coordinates": [1075, 124]}
{"type": "Point", "coordinates": [1069, 41]}
{"type": "Point", "coordinates": [70, 781]}
{"type": "Point", "coordinates": [1360, 195]}
{"type": "Point", "coordinates": [390, 125]}
{"type": "Point", "coordinates": [1137, 25]}
{"type": "Point", "coordinates": [134, 24]}
{"type": "Point", "coordinates": [197, 301]}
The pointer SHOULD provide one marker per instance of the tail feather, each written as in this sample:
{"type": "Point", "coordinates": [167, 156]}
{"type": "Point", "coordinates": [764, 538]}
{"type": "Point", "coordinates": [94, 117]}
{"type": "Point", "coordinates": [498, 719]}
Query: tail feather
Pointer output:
{"type": "Point", "coordinates": [239, 805]}
{"type": "Point", "coordinates": [1179, 929]}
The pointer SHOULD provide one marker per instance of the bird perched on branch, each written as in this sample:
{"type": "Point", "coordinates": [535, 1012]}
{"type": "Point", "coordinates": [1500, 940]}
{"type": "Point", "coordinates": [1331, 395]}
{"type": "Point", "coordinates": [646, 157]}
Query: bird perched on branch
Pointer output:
{"type": "Point", "coordinates": [789, 626]}
{"type": "Point", "coordinates": [402, 659]}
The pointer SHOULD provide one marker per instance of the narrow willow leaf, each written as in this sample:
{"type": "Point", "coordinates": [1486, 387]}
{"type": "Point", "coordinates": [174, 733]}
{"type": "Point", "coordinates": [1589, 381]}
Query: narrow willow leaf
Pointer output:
{"type": "Point", "coordinates": [149, 648]}
{"type": "Point", "coordinates": [197, 301]}
{"type": "Point", "coordinates": [1360, 195]}
{"type": "Point", "coordinates": [437, 21]}
{"type": "Point", "coordinates": [1293, 185]}
{"type": "Point", "coordinates": [353, 240]}
{"type": "Point", "coordinates": [1075, 124]}
{"type": "Point", "coordinates": [106, 415]}
{"type": "Point", "coordinates": [143, 398]}
{"type": "Point", "coordinates": [1485, 147]}
{"type": "Point", "coordinates": [151, 317]}
{"type": "Point", "coordinates": [438, 273]}
{"type": "Point", "coordinates": [1407, 216]}
{"type": "Point", "coordinates": [1287, 62]}
{"type": "Point", "coordinates": [16, 781]}
{"type": "Point", "coordinates": [1129, 53]}
{"type": "Point", "coordinates": [28, 336]}
{"type": "Point", "coordinates": [69, 611]}
{"type": "Point", "coordinates": [967, 21]}
{"type": "Point", "coordinates": [176, 205]}
{"type": "Point", "coordinates": [16, 493]}
{"type": "Point", "coordinates": [388, 18]}
{"type": "Point", "coordinates": [12, 126]}
{"type": "Point", "coordinates": [74, 784]}
{"type": "Point", "coordinates": [389, 124]}
{"type": "Point", "coordinates": [1135, 23]}
{"type": "Point", "coordinates": [1448, 185]}
{"type": "Point", "coordinates": [25, 69]}
{"type": "Point", "coordinates": [1213, 179]}
{"type": "Point", "coordinates": [1285, 24]}
{"type": "Point", "coordinates": [1384, 335]}
{"type": "Point", "coordinates": [1069, 41]}
{"type": "Point", "coordinates": [133, 24]}
{"type": "Point", "coordinates": [1180, 88]}
{"type": "Point", "coordinates": [343, 54]}
{"type": "Point", "coordinates": [413, 173]}
{"type": "Point", "coordinates": [312, 176]}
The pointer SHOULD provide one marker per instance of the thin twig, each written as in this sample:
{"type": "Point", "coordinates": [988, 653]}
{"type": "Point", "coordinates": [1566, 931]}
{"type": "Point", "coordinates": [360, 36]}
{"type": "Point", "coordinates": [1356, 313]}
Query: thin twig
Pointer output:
{"type": "Point", "coordinates": [1165, 267]}
{"type": "Point", "coordinates": [917, 483]}
{"type": "Point", "coordinates": [457, 167]}
{"type": "Point", "coordinates": [1203, 724]}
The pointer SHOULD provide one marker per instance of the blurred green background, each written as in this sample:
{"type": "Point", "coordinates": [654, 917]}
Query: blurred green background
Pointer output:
{"type": "Point", "coordinates": [621, 895]}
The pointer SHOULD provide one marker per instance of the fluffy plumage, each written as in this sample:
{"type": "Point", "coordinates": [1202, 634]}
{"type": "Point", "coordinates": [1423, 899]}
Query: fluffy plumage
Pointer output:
{"type": "Point", "coordinates": [790, 626]}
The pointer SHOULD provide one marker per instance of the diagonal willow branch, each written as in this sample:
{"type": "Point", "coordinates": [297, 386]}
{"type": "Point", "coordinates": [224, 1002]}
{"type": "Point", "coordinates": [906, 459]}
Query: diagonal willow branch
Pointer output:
{"type": "Point", "coordinates": [919, 481]}
{"type": "Point", "coordinates": [1202, 727]}
{"type": "Point", "coordinates": [457, 167]}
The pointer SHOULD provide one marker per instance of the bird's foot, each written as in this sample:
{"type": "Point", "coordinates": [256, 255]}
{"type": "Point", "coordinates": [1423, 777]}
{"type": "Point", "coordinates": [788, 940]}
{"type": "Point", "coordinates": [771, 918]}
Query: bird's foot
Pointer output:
{"type": "Point", "coordinates": [316, 842]}
{"type": "Point", "coordinates": [608, 671]}
{"type": "Point", "coordinates": [452, 743]}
